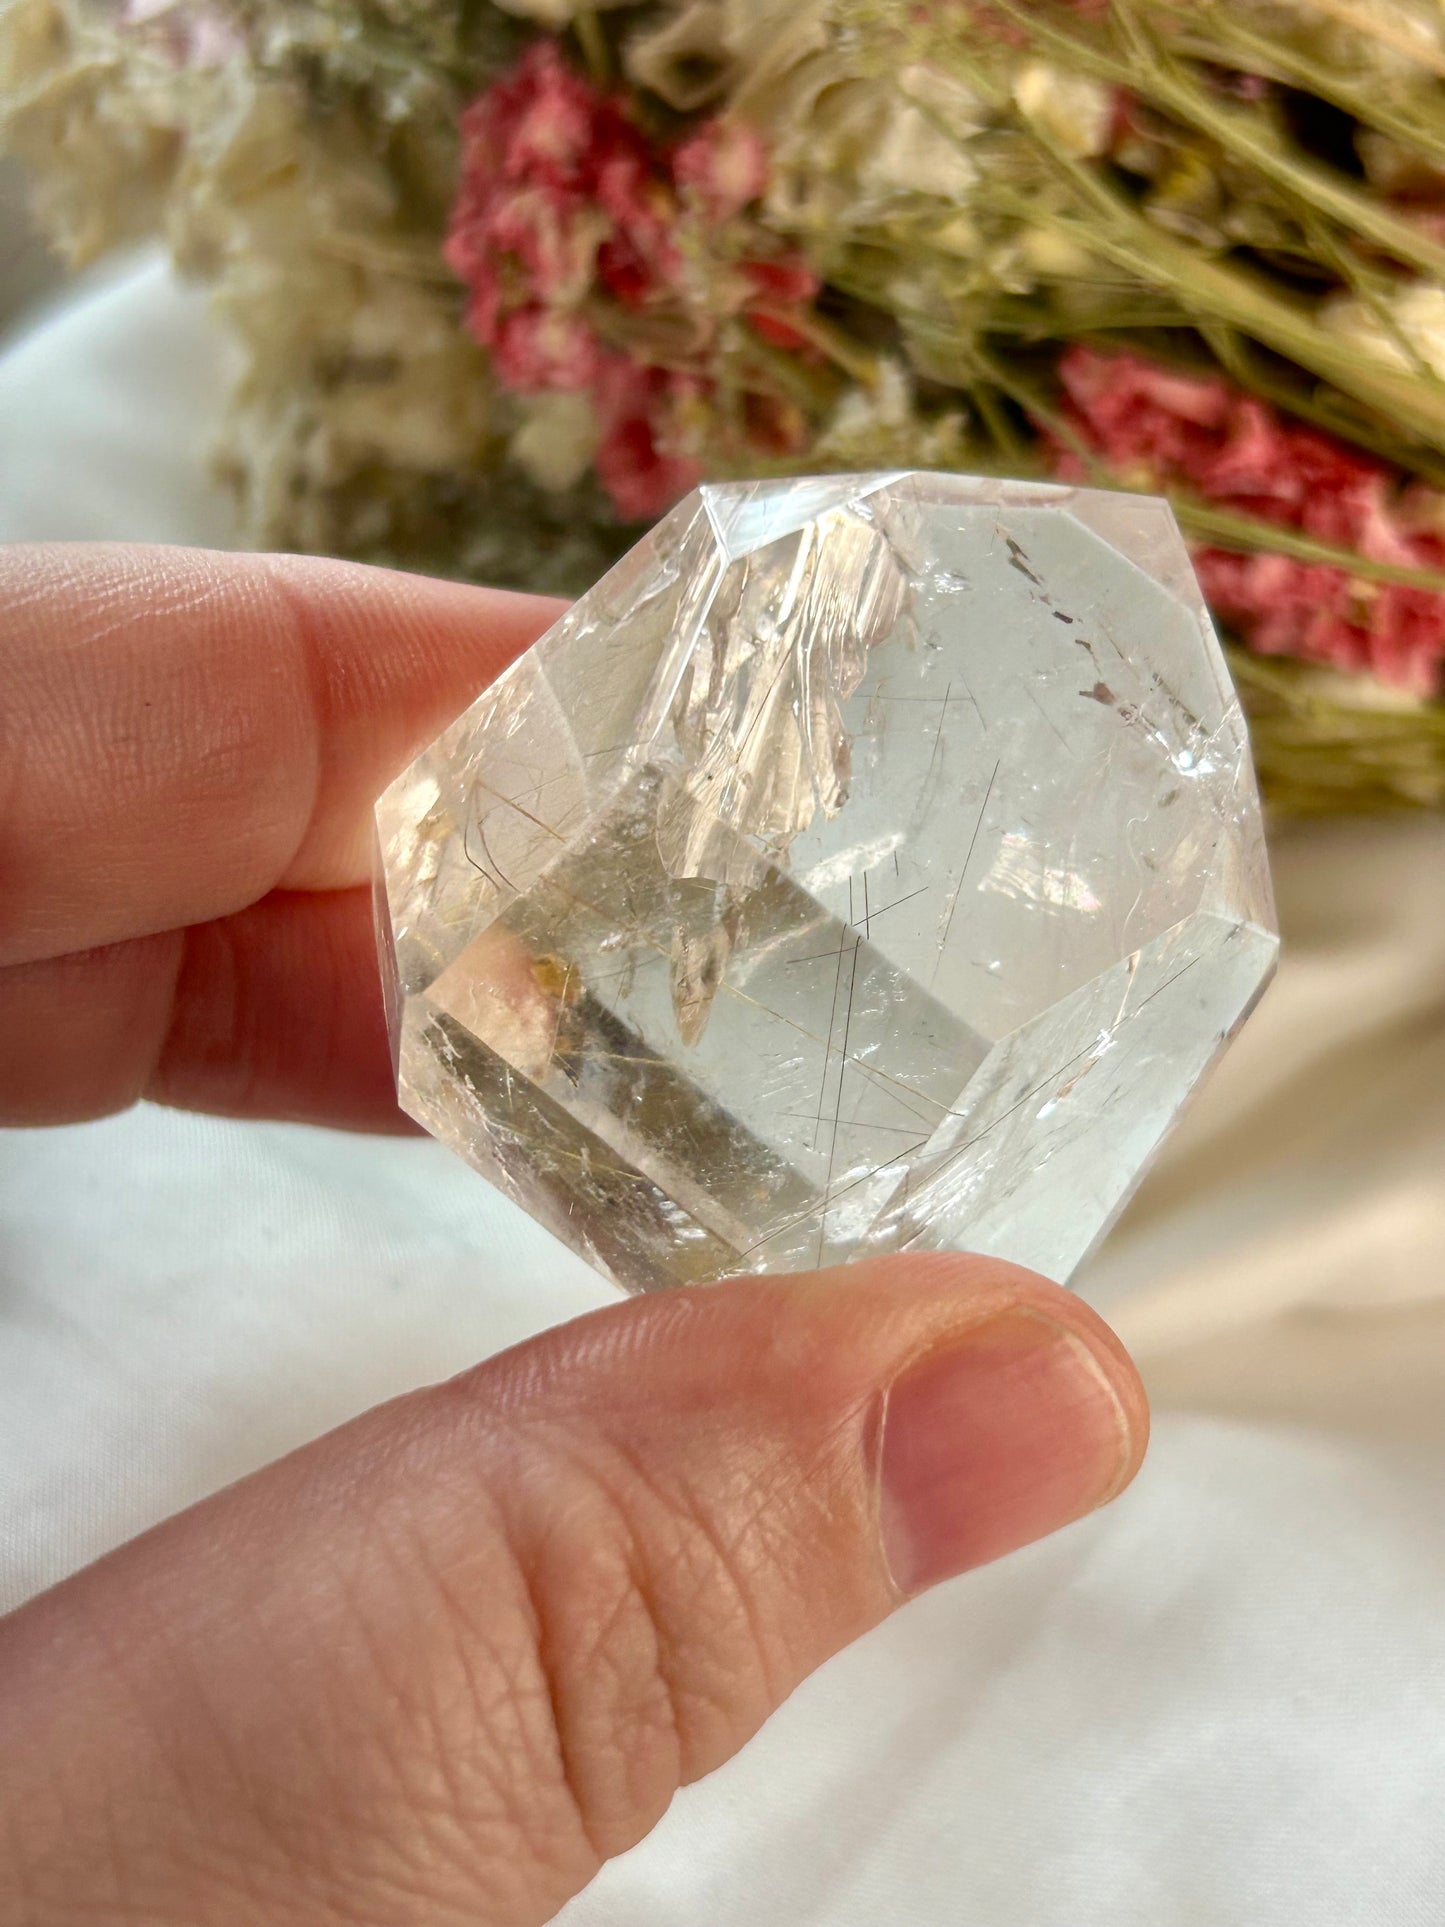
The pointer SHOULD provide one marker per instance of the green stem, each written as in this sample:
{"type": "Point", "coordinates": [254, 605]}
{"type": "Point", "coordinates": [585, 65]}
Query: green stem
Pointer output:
{"type": "Point", "coordinates": [830, 342]}
{"type": "Point", "coordinates": [1225, 529]}
{"type": "Point", "coordinates": [1025, 395]}
{"type": "Point", "coordinates": [592, 43]}
{"type": "Point", "coordinates": [1325, 408]}
{"type": "Point", "coordinates": [996, 423]}
{"type": "Point", "coordinates": [1215, 291]}
{"type": "Point", "coordinates": [1241, 134]}
{"type": "Point", "coordinates": [1365, 19]}
{"type": "Point", "coordinates": [1229, 43]}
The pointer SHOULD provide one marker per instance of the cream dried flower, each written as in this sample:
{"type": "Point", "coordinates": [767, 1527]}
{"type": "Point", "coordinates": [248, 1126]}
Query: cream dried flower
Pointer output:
{"type": "Point", "coordinates": [557, 440]}
{"type": "Point", "coordinates": [1075, 111]}
{"type": "Point", "coordinates": [555, 15]}
{"type": "Point", "coordinates": [1389, 40]}
{"type": "Point", "coordinates": [847, 152]}
{"type": "Point", "coordinates": [99, 114]}
{"type": "Point", "coordinates": [686, 60]}
{"type": "Point", "coordinates": [881, 426]}
{"type": "Point", "coordinates": [1408, 332]}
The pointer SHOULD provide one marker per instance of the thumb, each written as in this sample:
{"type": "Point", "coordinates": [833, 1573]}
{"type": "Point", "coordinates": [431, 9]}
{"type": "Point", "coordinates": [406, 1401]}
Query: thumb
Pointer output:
{"type": "Point", "coordinates": [439, 1666]}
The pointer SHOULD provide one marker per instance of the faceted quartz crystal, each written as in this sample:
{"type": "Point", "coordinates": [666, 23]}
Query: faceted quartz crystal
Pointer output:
{"type": "Point", "coordinates": [866, 864]}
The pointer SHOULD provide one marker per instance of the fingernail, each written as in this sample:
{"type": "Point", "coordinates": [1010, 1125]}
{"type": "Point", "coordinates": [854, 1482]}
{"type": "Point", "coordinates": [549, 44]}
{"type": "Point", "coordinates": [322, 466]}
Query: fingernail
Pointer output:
{"type": "Point", "coordinates": [1003, 1435]}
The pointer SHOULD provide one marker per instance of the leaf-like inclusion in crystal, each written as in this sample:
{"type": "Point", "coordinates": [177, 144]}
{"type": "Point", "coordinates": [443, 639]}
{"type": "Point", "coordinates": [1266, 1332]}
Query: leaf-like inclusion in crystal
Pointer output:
{"type": "Point", "coordinates": [866, 864]}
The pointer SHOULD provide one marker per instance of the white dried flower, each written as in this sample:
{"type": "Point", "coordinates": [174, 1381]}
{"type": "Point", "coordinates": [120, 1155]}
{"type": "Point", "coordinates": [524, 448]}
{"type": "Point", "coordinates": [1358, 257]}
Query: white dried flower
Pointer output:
{"type": "Point", "coordinates": [845, 150]}
{"type": "Point", "coordinates": [922, 148]}
{"type": "Point", "coordinates": [557, 440]}
{"type": "Point", "coordinates": [96, 112]}
{"type": "Point", "coordinates": [1046, 255]}
{"type": "Point", "coordinates": [685, 60]}
{"type": "Point", "coordinates": [1411, 332]}
{"type": "Point", "coordinates": [888, 403]}
{"type": "Point", "coordinates": [1073, 110]}
{"type": "Point", "coordinates": [958, 234]}
{"type": "Point", "coordinates": [1389, 40]}
{"type": "Point", "coordinates": [880, 426]}
{"type": "Point", "coordinates": [845, 146]}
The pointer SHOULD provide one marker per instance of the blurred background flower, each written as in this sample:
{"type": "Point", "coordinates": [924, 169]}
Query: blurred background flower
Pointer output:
{"type": "Point", "coordinates": [510, 278]}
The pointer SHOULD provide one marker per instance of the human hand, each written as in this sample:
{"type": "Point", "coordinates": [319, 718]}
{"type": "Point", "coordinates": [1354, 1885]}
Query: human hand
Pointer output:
{"type": "Point", "coordinates": [440, 1665]}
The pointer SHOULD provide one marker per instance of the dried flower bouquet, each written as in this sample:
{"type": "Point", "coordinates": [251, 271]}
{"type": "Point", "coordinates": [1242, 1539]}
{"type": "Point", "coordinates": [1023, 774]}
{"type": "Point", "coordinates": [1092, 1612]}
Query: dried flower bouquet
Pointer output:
{"type": "Point", "coordinates": [507, 281]}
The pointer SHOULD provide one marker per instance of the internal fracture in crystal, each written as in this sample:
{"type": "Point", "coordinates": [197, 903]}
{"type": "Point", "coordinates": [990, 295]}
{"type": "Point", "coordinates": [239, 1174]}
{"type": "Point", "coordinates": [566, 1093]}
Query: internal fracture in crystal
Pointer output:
{"type": "Point", "coordinates": [865, 864]}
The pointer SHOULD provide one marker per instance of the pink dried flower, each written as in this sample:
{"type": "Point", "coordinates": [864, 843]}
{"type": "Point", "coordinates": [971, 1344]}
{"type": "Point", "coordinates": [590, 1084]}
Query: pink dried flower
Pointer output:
{"type": "Point", "coordinates": [1162, 430]}
{"type": "Point", "coordinates": [555, 248]}
{"type": "Point", "coordinates": [1137, 415]}
{"type": "Point", "coordinates": [564, 216]}
{"type": "Point", "coordinates": [557, 188]}
{"type": "Point", "coordinates": [725, 165]}
{"type": "Point", "coordinates": [638, 406]}
{"type": "Point", "coordinates": [546, 118]}
{"type": "Point", "coordinates": [784, 282]}
{"type": "Point", "coordinates": [639, 261]}
{"type": "Point", "coordinates": [537, 349]}
{"type": "Point", "coordinates": [640, 479]}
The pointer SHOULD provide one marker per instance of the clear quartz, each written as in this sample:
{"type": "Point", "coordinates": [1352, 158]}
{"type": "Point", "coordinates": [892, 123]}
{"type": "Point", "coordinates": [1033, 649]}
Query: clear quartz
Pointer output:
{"type": "Point", "coordinates": [866, 864]}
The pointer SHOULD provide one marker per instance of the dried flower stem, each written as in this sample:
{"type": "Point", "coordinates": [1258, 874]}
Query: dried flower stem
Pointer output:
{"type": "Point", "coordinates": [1211, 290]}
{"type": "Point", "coordinates": [1228, 529]}
{"type": "Point", "coordinates": [1319, 751]}
{"type": "Point", "coordinates": [1209, 32]}
{"type": "Point", "coordinates": [1325, 408]}
{"type": "Point", "coordinates": [1365, 20]}
{"type": "Point", "coordinates": [595, 51]}
{"type": "Point", "coordinates": [1243, 135]}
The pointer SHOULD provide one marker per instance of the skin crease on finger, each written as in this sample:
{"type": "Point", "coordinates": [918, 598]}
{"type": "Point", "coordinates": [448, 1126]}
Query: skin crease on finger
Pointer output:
{"type": "Point", "coordinates": [191, 744]}
{"type": "Point", "coordinates": [188, 731]}
{"type": "Point", "coordinates": [437, 1666]}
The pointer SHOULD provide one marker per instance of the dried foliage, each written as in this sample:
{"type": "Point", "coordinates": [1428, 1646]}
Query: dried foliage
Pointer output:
{"type": "Point", "coordinates": [507, 278]}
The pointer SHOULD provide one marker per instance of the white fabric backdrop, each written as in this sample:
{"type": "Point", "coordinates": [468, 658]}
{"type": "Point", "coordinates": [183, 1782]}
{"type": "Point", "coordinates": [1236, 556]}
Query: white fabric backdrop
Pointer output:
{"type": "Point", "coordinates": [1222, 1700]}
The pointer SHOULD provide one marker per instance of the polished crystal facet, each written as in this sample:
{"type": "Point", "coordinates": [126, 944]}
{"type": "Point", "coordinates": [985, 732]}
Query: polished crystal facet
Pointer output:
{"type": "Point", "coordinates": [866, 864]}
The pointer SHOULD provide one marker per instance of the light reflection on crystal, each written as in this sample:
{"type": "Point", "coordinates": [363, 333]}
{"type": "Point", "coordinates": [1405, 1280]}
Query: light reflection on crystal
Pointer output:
{"type": "Point", "coordinates": [1020, 870]}
{"type": "Point", "coordinates": [866, 864]}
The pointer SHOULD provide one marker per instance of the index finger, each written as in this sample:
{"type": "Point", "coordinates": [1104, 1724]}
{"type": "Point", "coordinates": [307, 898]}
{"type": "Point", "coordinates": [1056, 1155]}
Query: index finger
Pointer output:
{"type": "Point", "coordinates": [183, 731]}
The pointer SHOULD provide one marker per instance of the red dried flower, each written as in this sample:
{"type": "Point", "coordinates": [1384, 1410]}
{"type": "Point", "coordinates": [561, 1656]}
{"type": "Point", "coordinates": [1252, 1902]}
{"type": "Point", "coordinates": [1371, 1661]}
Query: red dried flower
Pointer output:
{"type": "Point", "coordinates": [780, 285]}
